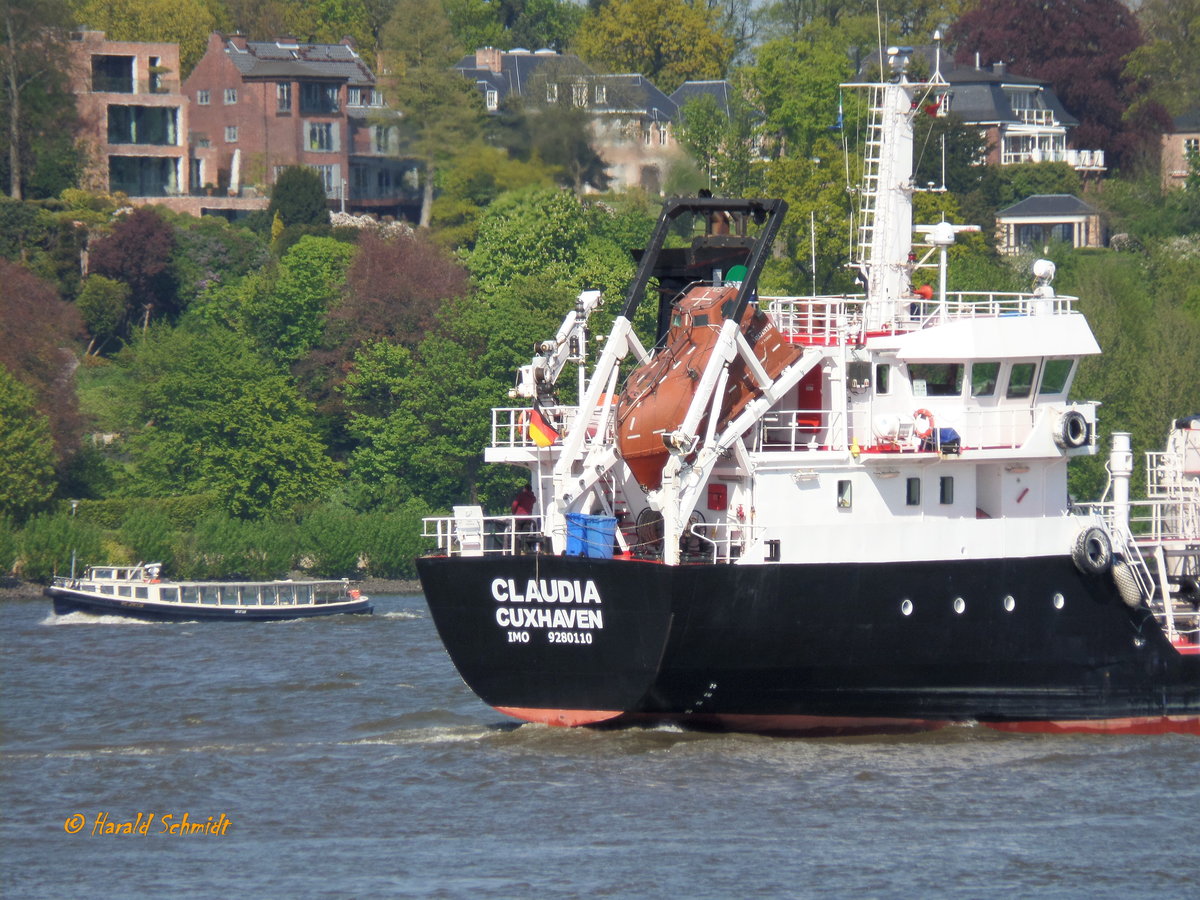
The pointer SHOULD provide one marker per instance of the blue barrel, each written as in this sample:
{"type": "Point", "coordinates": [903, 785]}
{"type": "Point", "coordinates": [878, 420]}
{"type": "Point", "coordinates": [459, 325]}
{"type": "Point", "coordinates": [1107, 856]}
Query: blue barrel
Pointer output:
{"type": "Point", "coordinates": [590, 536]}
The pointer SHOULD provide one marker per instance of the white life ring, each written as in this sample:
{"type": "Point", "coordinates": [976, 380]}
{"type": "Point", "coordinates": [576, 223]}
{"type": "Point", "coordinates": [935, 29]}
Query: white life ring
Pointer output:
{"type": "Point", "coordinates": [928, 417]}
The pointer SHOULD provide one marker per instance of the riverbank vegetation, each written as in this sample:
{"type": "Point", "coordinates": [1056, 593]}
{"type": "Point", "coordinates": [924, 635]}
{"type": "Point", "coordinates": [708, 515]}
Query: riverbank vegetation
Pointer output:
{"type": "Point", "coordinates": [285, 394]}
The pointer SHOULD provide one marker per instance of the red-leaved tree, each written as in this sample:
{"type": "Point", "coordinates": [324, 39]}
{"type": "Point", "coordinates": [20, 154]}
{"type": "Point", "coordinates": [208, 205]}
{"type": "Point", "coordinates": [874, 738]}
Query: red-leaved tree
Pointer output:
{"type": "Point", "coordinates": [138, 253]}
{"type": "Point", "coordinates": [1079, 47]}
{"type": "Point", "coordinates": [38, 335]}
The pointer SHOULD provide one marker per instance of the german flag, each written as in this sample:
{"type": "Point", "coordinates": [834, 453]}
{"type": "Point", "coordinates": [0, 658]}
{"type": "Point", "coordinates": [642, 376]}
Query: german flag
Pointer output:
{"type": "Point", "coordinates": [539, 430]}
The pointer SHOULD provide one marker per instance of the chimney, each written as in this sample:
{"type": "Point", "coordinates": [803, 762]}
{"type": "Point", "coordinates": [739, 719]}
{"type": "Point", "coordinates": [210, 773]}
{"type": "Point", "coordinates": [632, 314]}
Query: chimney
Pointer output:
{"type": "Point", "coordinates": [998, 68]}
{"type": "Point", "coordinates": [489, 58]}
{"type": "Point", "coordinates": [238, 40]}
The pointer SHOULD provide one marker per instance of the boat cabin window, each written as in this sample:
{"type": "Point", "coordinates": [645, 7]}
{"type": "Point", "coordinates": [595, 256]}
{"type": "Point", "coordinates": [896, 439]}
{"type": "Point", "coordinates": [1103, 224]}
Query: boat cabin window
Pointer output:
{"type": "Point", "coordinates": [1020, 380]}
{"type": "Point", "coordinates": [700, 320]}
{"type": "Point", "coordinates": [845, 497]}
{"type": "Point", "coordinates": [102, 573]}
{"type": "Point", "coordinates": [946, 491]}
{"type": "Point", "coordinates": [936, 379]}
{"type": "Point", "coordinates": [912, 492]}
{"type": "Point", "coordinates": [141, 593]}
{"type": "Point", "coordinates": [984, 376]}
{"type": "Point", "coordinates": [883, 376]}
{"type": "Point", "coordinates": [1055, 374]}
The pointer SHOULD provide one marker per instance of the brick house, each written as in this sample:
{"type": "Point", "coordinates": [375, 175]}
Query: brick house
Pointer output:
{"type": "Point", "coordinates": [134, 118]}
{"type": "Point", "coordinates": [631, 118]}
{"type": "Point", "coordinates": [258, 107]}
{"type": "Point", "coordinates": [1177, 146]}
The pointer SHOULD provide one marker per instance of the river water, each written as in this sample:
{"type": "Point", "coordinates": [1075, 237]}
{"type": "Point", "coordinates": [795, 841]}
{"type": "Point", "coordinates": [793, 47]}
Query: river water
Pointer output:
{"type": "Point", "coordinates": [343, 757]}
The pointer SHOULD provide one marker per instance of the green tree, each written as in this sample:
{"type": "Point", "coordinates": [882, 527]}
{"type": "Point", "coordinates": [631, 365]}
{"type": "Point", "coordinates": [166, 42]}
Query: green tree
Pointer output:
{"type": "Point", "coordinates": [51, 542]}
{"type": "Point", "coordinates": [475, 23]}
{"type": "Point", "coordinates": [683, 44]}
{"type": "Point", "coordinates": [102, 303]}
{"type": "Point", "coordinates": [209, 414]}
{"type": "Point", "coordinates": [471, 181]}
{"type": "Point", "coordinates": [701, 129]}
{"type": "Point", "coordinates": [796, 83]}
{"type": "Point", "coordinates": [26, 451]}
{"type": "Point", "coordinates": [298, 197]}
{"type": "Point", "coordinates": [331, 538]}
{"type": "Point", "coordinates": [441, 111]}
{"type": "Point", "coordinates": [35, 98]}
{"type": "Point", "coordinates": [1166, 63]}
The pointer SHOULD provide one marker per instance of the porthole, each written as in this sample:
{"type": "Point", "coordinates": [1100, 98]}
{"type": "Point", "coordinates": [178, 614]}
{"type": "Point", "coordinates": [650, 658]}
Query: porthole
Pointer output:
{"type": "Point", "coordinates": [906, 607]}
{"type": "Point", "coordinates": [959, 605]}
{"type": "Point", "coordinates": [1059, 601]}
{"type": "Point", "coordinates": [1009, 603]}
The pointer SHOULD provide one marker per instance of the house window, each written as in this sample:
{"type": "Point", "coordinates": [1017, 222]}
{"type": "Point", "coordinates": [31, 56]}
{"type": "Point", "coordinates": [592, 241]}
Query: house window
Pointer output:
{"type": "Point", "coordinates": [320, 136]}
{"type": "Point", "coordinates": [662, 135]}
{"type": "Point", "coordinates": [156, 74]}
{"type": "Point", "coordinates": [552, 93]}
{"type": "Point", "coordinates": [601, 94]}
{"type": "Point", "coordinates": [912, 492]}
{"type": "Point", "coordinates": [143, 125]}
{"type": "Point", "coordinates": [231, 134]}
{"type": "Point", "coordinates": [283, 97]}
{"type": "Point", "coordinates": [1191, 146]}
{"type": "Point", "coordinates": [112, 74]}
{"type": "Point", "coordinates": [380, 138]}
{"type": "Point", "coordinates": [319, 97]}
{"type": "Point", "coordinates": [579, 94]}
{"type": "Point", "coordinates": [946, 490]}
{"type": "Point", "coordinates": [845, 495]}
{"type": "Point", "coordinates": [202, 98]}
{"type": "Point", "coordinates": [646, 134]}
{"type": "Point", "coordinates": [492, 98]}
{"type": "Point", "coordinates": [230, 96]}
{"type": "Point", "coordinates": [328, 177]}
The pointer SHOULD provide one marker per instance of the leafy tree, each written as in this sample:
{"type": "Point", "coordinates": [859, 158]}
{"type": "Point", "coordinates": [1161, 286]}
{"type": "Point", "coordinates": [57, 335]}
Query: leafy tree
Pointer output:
{"type": "Point", "coordinates": [35, 97]}
{"type": "Point", "coordinates": [549, 24]}
{"type": "Point", "coordinates": [49, 543]}
{"type": "Point", "coordinates": [683, 44]}
{"type": "Point", "coordinates": [797, 83]}
{"type": "Point", "coordinates": [475, 23]}
{"type": "Point", "coordinates": [442, 112]}
{"type": "Point", "coordinates": [138, 253]}
{"type": "Point", "coordinates": [1166, 63]}
{"type": "Point", "coordinates": [1079, 47]}
{"type": "Point", "coordinates": [472, 180]}
{"type": "Point", "coordinates": [524, 229]}
{"type": "Point", "coordinates": [298, 197]}
{"type": "Point", "coordinates": [331, 539]}
{"type": "Point", "coordinates": [26, 451]}
{"type": "Point", "coordinates": [701, 130]}
{"type": "Point", "coordinates": [392, 539]}
{"type": "Point", "coordinates": [947, 153]}
{"type": "Point", "coordinates": [210, 251]}
{"type": "Point", "coordinates": [209, 414]}
{"type": "Point", "coordinates": [37, 332]}
{"type": "Point", "coordinates": [187, 23]}
{"type": "Point", "coordinates": [287, 320]}
{"type": "Point", "coordinates": [103, 304]}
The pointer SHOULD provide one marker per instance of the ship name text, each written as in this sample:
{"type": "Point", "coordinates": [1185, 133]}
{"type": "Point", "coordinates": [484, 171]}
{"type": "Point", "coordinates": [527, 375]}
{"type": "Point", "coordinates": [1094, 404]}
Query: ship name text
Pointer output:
{"type": "Point", "coordinates": [545, 590]}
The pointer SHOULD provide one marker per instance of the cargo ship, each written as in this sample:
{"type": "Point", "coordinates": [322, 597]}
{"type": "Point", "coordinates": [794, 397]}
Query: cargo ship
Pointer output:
{"type": "Point", "coordinates": [823, 515]}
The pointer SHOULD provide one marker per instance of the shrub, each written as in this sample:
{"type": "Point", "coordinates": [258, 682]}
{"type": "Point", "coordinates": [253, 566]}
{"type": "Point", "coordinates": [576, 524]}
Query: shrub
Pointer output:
{"type": "Point", "coordinates": [391, 540]}
{"type": "Point", "coordinates": [330, 541]}
{"type": "Point", "coordinates": [48, 541]}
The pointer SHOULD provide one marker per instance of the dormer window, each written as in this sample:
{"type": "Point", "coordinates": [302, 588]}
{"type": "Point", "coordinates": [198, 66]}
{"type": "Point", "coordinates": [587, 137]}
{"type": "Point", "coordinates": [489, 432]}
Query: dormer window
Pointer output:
{"type": "Point", "coordinates": [552, 93]}
{"type": "Point", "coordinates": [579, 93]}
{"type": "Point", "coordinates": [601, 94]}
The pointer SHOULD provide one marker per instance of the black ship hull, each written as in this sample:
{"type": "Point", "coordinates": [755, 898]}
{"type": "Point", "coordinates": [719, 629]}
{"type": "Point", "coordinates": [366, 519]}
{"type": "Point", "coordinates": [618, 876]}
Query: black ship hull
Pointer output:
{"type": "Point", "coordinates": [1020, 644]}
{"type": "Point", "coordinates": [68, 601]}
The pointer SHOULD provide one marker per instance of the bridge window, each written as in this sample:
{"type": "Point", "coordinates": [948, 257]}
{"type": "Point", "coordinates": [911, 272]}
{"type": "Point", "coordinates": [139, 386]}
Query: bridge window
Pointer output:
{"type": "Point", "coordinates": [1020, 380]}
{"type": "Point", "coordinates": [983, 378]}
{"type": "Point", "coordinates": [1055, 374]}
{"type": "Point", "coordinates": [936, 379]}
{"type": "Point", "coordinates": [912, 492]}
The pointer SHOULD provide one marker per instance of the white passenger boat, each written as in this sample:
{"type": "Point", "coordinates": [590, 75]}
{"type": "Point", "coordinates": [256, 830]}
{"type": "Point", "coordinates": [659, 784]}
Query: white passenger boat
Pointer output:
{"type": "Point", "coordinates": [139, 592]}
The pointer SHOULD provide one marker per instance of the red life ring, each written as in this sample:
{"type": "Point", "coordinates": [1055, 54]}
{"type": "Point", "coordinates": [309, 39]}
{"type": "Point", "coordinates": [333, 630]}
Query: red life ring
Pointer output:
{"type": "Point", "coordinates": [928, 417]}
